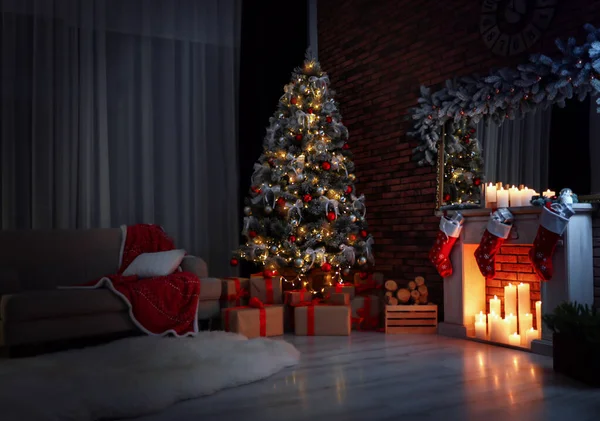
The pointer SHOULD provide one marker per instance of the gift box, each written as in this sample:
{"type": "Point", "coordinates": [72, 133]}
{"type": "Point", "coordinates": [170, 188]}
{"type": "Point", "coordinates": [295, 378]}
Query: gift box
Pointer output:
{"type": "Point", "coordinates": [235, 292]}
{"type": "Point", "coordinates": [297, 296]}
{"type": "Point", "coordinates": [322, 320]}
{"type": "Point", "coordinates": [267, 290]}
{"type": "Point", "coordinates": [253, 322]}
{"type": "Point", "coordinates": [338, 299]}
{"type": "Point", "coordinates": [340, 288]}
{"type": "Point", "coordinates": [375, 277]}
{"type": "Point", "coordinates": [366, 312]}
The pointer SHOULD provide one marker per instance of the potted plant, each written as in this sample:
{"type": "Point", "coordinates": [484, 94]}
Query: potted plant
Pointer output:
{"type": "Point", "coordinates": [576, 341]}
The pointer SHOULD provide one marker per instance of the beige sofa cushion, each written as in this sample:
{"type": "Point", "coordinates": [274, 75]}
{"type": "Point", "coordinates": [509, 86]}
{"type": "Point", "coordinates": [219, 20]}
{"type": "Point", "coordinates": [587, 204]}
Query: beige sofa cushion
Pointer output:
{"type": "Point", "coordinates": [36, 305]}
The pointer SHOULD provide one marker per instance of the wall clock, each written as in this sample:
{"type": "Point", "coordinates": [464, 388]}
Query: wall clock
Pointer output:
{"type": "Point", "coordinates": [509, 27]}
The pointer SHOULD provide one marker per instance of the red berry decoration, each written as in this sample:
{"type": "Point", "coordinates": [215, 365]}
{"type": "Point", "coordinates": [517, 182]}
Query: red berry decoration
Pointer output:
{"type": "Point", "coordinates": [299, 137]}
{"type": "Point", "coordinates": [348, 189]}
{"type": "Point", "coordinates": [346, 147]}
{"type": "Point", "coordinates": [293, 101]}
{"type": "Point", "coordinates": [252, 234]}
{"type": "Point", "coordinates": [326, 166]}
{"type": "Point", "coordinates": [271, 162]}
{"type": "Point", "coordinates": [364, 233]}
{"type": "Point", "coordinates": [447, 197]}
{"type": "Point", "coordinates": [363, 275]}
{"type": "Point", "coordinates": [292, 238]}
{"type": "Point", "coordinates": [234, 262]}
{"type": "Point", "coordinates": [329, 119]}
{"type": "Point", "coordinates": [310, 110]}
{"type": "Point", "coordinates": [280, 201]}
{"type": "Point", "coordinates": [307, 198]}
{"type": "Point", "coordinates": [477, 181]}
{"type": "Point", "coordinates": [326, 267]}
{"type": "Point", "coordinates": [331, 216]}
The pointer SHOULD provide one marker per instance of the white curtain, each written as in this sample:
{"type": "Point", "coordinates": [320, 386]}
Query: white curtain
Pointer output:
{"type": "Point", "coordinates": [517, 152]}
{"type": "Point", "coordinates": [121, 112]}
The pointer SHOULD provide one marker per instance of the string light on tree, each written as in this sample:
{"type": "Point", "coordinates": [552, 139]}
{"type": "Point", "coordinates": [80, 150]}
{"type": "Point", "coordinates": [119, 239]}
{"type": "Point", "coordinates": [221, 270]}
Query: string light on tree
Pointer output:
{"type": "Point", "coordinates": [302, 211]}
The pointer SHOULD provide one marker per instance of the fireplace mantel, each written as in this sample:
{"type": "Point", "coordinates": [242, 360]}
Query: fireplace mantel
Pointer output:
{"type": "Point", "coordinates": [573, 280]}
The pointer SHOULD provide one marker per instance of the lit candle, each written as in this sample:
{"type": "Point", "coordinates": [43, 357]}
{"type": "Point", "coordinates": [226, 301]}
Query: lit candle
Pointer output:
{"type": "Point", "coordinates": [514, 339]}
{"type": "Point", "coordinates": [514, 197]}
{"type": "Point", "coordinates": [505, 330]}
{"type": "Point", "coordinates": [480, 317]}
{"type": "Point", "coordinates": [525, 323]}
{"type": "Point", "coordinates": [524, 299]}
{"type": "Point", "coordinates": [495, 305]}
{"type": "Point", "coordinates": [530, 335]}
{"type": "Point", "coordinates": [502, 198]}
{"type": "Point", "coordinates": [538, 315]}
{"type": "Point", "coordinates": [491, 319]}
{"type": "Point", "coordinates": [513, 323]}
{"type": "Point", "coordinates": [490, 194]}
{"type": "Point", "coordinates": [510, 299]}
{"type": "Point", "coordinates": [526, 195]}
{"type": "Point", "coordinates": [480, 330]}
{"type": "Point", "coordinates": [549, 193]}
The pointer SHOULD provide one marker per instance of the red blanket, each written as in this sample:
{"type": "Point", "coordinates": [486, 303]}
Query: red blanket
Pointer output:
{"type": "Point", "coordinates": [161, 305]}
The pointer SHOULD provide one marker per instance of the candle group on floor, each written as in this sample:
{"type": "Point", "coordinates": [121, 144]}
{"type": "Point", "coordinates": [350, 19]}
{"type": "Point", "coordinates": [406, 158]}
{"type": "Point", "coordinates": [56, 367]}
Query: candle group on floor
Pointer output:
{"type": "Point", "coordinates": [496, 196]}
{"type": "Point", "coordinates": [516, 328]}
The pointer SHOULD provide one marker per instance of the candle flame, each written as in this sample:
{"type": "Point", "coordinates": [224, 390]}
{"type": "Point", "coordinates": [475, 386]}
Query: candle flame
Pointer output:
{"type": "Point", "coordinates": [495, 297]}
{"type": "Point", "coordinates": [531, 329]}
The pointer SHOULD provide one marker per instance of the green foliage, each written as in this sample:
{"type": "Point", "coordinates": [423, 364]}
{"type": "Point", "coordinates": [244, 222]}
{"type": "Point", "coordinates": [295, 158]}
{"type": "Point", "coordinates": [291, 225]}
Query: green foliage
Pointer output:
{"type": "Point", "coordinates": [576, 320]}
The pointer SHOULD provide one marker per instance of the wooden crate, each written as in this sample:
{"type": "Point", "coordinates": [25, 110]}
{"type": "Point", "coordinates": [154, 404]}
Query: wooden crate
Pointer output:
{"type": "Point", "coordinates": [411, 318]}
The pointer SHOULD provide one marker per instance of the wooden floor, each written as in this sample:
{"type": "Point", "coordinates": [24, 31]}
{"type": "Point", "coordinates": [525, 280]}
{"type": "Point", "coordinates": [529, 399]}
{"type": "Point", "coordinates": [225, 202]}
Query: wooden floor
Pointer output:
{"type": "Point", "coordinates": [372, 377]}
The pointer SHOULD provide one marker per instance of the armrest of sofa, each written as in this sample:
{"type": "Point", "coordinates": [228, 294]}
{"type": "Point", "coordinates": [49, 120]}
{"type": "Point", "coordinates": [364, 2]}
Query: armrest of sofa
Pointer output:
{"type": "Point", "coordinates": [195, 265]}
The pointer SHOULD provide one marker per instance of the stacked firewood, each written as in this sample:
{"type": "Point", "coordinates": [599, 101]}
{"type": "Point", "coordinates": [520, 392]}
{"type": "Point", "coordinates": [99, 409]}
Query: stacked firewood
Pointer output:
{"type": "Point", "coordinates": [415, 292]}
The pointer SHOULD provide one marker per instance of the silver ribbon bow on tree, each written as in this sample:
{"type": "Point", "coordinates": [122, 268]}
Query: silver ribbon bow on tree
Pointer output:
{"type": "Point", "coordinates": [258, 170]}
{"type": "Point", "coordinates": [265, 190]}
{"type": "Point", "coordinates": [252, 248]}
{"type": "Point", "coordinates": [320, 82]}
{"type": "Point", "coordinates": [247, 221]}
{"type": "Point", "coordinates": [358, 205]}
{"type": "Point", "coordinates": [368, 249]}
{"type": "Point", "coordinates": [270, 137]}
{"type": "Point", "coordinates": [337, 163]}
{"type": "Point", "coordinates": [298, 208]}
{"type": "Point", "coordinates": [334, 204]}
{"type": "Point", "coordinates": [303, 119]}
{"type": "Point", "coordinates": [288, 89]}
{"type": "Point", "coordinates": [348, 253]}
{"type": "Point", "coordinates": [315, 255]}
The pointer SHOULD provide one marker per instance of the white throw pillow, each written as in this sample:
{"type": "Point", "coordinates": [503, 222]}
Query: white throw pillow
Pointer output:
{"type": "Point", "coordinates": [149, 265]}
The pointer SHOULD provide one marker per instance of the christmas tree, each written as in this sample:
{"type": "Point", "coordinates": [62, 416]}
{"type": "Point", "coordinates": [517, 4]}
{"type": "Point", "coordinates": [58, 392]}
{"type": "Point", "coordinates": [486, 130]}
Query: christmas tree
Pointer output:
{"type": "Point", "coordinates": [303, 211]}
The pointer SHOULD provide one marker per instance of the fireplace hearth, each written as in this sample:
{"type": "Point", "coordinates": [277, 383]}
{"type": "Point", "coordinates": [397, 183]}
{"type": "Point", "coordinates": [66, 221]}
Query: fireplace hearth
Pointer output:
{"type": "Point", "coordinates": [467, 294]}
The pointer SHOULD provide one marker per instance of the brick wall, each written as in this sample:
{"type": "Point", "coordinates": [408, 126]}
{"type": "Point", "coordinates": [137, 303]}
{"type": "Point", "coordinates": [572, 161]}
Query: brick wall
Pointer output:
{"type": "Point", "coordinates": [513, 266]}
{"type": "Point", "coordinates": [377, 54]}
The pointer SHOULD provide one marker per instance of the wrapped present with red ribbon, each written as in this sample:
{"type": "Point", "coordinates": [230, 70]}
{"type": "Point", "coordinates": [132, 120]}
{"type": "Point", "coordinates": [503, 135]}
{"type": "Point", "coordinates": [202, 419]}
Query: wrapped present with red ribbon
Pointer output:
{"type": "Point", "coordinates": [235, 292]}
{"type": "Point", "coordinates": [267, 289]}
{"type": "Point", "coordinates": [322, 320]}
{"type": "Point", "coordinates": [293, 299]}
{"type": "Point", "coordinates": [340, 288]}
{"type": "Point", "coordinates": [255, 320]}
{"type": "Point", "coordinates": [366, 312]}
{"type": "Point", "coordinates": [368, 282]}
{"type": "Point", "coordinates": [338, 299]}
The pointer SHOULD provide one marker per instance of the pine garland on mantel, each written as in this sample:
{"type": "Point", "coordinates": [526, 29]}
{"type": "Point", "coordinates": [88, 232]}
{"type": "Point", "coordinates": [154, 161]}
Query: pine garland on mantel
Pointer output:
{"type": "Point", "coordinates": [507, 93]}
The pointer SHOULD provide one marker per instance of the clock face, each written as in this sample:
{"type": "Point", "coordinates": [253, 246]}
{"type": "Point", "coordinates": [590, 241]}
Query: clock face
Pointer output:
{"type": "Point", "coordinates": [510, 27]}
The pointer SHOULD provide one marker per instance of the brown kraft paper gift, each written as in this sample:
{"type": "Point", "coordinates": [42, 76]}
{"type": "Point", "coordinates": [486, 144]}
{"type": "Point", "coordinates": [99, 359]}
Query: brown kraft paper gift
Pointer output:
{"type": "Point", "coordinates": [340, 288]}
{"type": "Point", "coordinates": [322, 320]}
{"type": "Point", "coordinates": [235, 292]}
{"type": "Point", "coordinates": [339, 299]}
{"type": "Point", "coordinates": [247, 321]}
{"type": "Point", "coordinates": [371, 306]}
{"type": "Point", "coordinates": [267, 290]}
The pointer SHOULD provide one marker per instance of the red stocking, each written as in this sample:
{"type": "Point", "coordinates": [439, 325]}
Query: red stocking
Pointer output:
{"type": "Point", "coordinates": [552, 226]}
{"type": "Point", "coordinates": [497, 232]}
{"type": "Point", "coordinates": [439, 254]}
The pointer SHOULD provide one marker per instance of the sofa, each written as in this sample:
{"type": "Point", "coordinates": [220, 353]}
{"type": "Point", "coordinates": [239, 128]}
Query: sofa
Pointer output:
{"type": "Point", "coordinates": [34, 263]}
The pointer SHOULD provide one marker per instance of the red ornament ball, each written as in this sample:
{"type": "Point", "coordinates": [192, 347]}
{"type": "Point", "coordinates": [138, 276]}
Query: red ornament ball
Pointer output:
{"type": "Point", "coordinates": [292, 239]}
{"type": "Point", "coordinates": [271, 162]}
{"type": "Point", "coordinates": [346, 147]}
{"type": "Point", "coordinates": [363, 275]}
{"type": "Point", "coordinates": [255, 189]}
{"type": "Point", "coordinates": [310, 110]}
{"type": "Point", "coordinates": [326, 267]}
{"type": "Point", "coordinates": [352, 237]}
{"type": "Point", "coordinates": [331, 216]}
{"type": "Point", "coordinates": [329, 119]}
{"type": "Point", "coordinates": [477, 181]}
{"type": "Point", "coordinates": [326, 166]}
{"type": "Point", "coordinates": [234, 262]}
{"type": "Point", "coordinates": [252, 234]}
{"type": "Point", "coordinates": [472, 130]}
{"type": "Point", "coordinates": [307, 198]}
{"type": "Point", "coordinates": [299, 137]}
{"type": "Point", "coordinates": [467, 140]}
{"type": "Point", "coordinates": [270, 273]}
{"type": "Point", "coordinates": [364, 233]}
{"type": "Point", "coordinates": [548, 205]}
{"type": "Point", "coordinates": [348, 189]}
{"type": "Point", "coordinates": [293, 101]}
{"type": "Point", "coordinates": [280, 201]}
{"type": "Point", "coordinates": [447, 197]}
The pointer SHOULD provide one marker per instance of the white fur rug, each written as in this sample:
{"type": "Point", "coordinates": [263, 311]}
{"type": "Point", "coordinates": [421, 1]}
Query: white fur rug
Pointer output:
{"type": "Point", "coordinates": [135, 376]}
